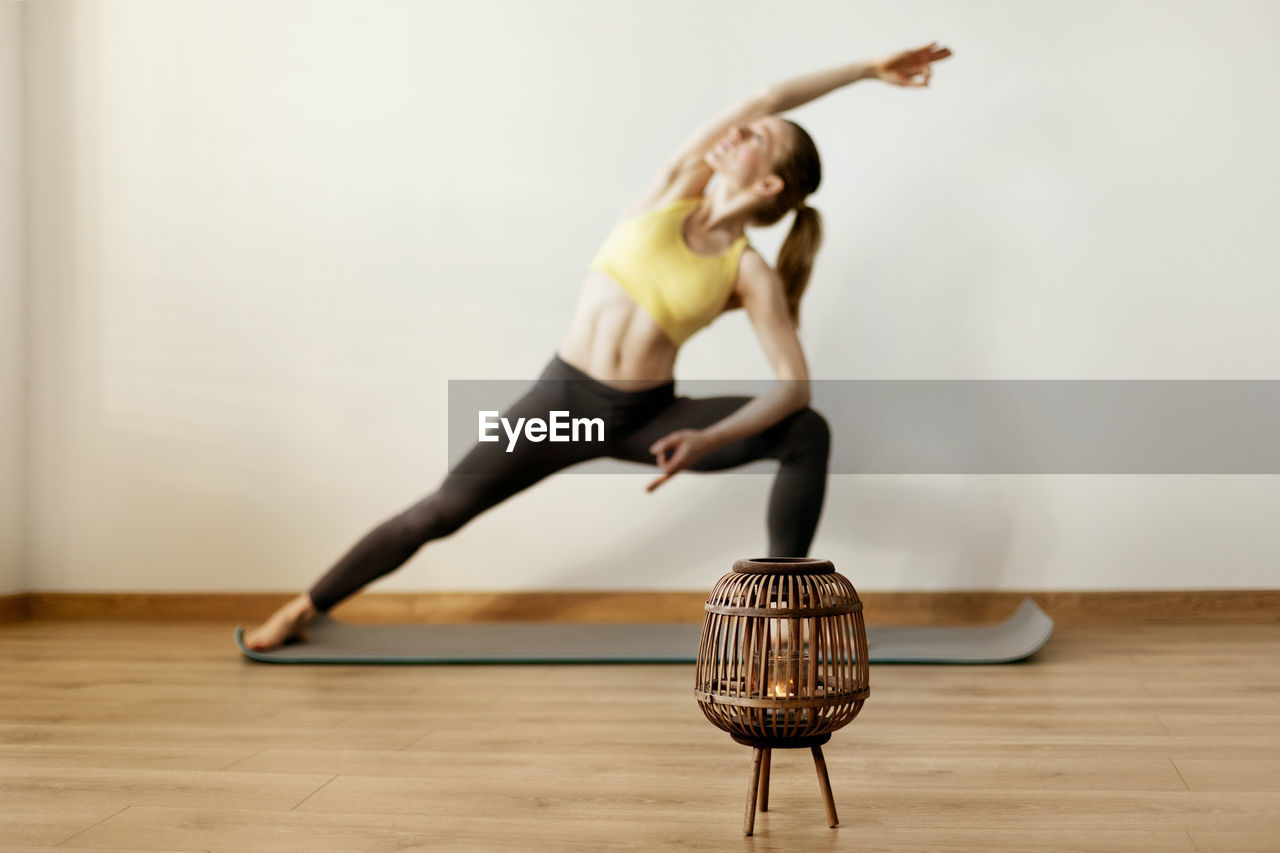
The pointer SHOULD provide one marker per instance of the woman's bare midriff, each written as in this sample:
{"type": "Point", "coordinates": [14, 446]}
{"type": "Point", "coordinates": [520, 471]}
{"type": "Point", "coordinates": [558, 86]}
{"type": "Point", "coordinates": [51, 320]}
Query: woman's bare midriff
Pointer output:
{"type": "Point", "coordinates": [614, 340]}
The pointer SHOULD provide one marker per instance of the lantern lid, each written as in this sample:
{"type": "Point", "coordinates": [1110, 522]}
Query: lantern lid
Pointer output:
{"type": "Point", "coordinates": [784, 566]}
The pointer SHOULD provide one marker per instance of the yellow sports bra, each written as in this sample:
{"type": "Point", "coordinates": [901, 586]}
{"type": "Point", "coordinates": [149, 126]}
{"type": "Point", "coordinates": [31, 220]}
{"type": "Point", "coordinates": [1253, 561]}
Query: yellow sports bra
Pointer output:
{"type": "Point", "coordinates": [681, 289]}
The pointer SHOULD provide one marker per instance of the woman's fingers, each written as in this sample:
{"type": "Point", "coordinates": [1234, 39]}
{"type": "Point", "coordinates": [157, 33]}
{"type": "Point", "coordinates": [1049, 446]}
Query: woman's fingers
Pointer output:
{"type": "Point", "coordinates": [909, 77]}
{"type": "Point", "coordinates": [683, 445]}
{"type": "Point", "coordinates": [671, 465]}
{"type": "Point", "coordinates": [906, 72]}
{"type": "Point", "coordinates": [659, 447]}
{"type": "Point", "coordinates": [675, 462]}
{"type": "Point", "coordinates": [676, 442]}
{"type": "Point", "coordinates": [660, 457]}
{"type": "Point", "coordinates": [659, 481]}
{"type": "Point", "coordinates": [932, 53]}
{"type": "Point", "coordinates": [913, 63]}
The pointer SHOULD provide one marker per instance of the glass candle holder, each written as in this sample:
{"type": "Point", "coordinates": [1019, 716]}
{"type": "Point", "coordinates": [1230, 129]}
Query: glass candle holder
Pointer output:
{"type": "Point", "coordinates": [780, 675]}
{"type": "Point", "coordinates": [783, 673]}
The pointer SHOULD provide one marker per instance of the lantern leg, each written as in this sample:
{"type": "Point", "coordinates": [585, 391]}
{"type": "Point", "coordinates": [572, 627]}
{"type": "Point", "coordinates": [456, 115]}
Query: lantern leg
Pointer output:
{"type": "Point", "coordinates": [764, 779]}
{"type": "Point", "coordinates": [825, 783]}
{"type": "Point", "coordinates": [749, 822]}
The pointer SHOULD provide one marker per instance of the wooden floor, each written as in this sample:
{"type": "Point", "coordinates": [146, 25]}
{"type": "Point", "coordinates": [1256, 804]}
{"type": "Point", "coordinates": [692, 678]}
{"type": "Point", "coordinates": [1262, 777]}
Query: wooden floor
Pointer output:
{"type": "Point", "coordinates": [161, 737]}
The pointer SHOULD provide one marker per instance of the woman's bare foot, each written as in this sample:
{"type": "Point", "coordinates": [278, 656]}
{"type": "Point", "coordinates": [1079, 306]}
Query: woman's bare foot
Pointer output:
{"type": "Point", "coordinates": [287, 623]}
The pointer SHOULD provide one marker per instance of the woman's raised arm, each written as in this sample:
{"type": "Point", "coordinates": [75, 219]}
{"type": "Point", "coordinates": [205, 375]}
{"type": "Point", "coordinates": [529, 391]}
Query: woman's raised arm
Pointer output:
{"type": "Point", "coordinates": [901, 69]}
{"type": "Point", "coordinates": [687, 164]}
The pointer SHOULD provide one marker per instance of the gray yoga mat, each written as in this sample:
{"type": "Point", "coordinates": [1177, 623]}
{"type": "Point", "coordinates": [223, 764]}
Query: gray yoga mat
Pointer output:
{"type": "Point", "coordinates": [331, 641]}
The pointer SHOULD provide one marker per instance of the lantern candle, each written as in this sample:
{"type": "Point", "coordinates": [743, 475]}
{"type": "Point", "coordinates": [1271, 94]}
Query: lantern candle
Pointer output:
{"type": "Point", "coordinates": [782, 663]}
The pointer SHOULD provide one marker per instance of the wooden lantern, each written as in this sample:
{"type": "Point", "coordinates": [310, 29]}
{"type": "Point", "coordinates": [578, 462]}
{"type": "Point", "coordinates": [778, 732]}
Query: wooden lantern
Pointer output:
{"type": "Point", "coordinates": [782, 663]}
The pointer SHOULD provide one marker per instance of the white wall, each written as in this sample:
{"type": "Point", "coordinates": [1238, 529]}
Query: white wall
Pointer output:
{"type": "Point", "coordinates": [264, 236]}
{"type": "Point", "coordinates": [13, 406]}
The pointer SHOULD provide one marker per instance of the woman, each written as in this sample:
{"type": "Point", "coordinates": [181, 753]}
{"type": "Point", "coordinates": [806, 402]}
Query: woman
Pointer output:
{"type": "Point", "coordinates": [676, 259]}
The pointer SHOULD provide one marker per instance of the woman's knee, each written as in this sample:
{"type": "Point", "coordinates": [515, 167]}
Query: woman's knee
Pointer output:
{"type": "Point", "coordinates": [434, 517]}
{"type": "Point", "coordinates": [809, 434]}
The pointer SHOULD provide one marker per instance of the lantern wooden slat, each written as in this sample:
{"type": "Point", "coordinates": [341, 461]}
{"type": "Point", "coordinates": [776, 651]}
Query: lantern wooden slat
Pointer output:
{"type": "Point", "coordinates": [782, 663]}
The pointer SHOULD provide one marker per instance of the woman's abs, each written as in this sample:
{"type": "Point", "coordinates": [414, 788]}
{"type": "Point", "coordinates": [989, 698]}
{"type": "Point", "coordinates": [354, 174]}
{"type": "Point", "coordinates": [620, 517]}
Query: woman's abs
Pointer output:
{"type": "Point", "coordinates": [612, 338]}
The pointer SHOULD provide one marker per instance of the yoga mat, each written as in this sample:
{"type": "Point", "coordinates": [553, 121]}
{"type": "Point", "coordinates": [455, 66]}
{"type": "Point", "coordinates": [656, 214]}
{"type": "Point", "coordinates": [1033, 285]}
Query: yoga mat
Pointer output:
{"type": "Point", "coordinates": [331, 641]}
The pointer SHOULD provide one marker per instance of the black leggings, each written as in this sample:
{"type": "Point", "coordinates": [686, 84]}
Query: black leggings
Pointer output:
{"type": "Point", "coordinates": [488, 474]}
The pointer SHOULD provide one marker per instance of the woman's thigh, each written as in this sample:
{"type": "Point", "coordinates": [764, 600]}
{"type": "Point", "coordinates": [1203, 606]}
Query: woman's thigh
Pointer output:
{"type": "Point", "coordinates": [494, 470]}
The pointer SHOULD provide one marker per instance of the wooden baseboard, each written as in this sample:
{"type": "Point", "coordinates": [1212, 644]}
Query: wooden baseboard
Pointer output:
{"type": "Point", "coordinates": [881, 608]}
{"type": "Point", "coordinates": [15, 608]}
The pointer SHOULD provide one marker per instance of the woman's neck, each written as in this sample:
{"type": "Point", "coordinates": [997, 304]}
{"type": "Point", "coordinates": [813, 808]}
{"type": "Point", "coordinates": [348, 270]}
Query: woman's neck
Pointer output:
{"type": "Point", "coordinates": [723, 212]}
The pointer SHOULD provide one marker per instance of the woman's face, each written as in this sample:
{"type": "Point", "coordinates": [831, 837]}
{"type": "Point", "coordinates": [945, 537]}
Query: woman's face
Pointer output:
{"type": "Point", "coordinates": [749, 152]}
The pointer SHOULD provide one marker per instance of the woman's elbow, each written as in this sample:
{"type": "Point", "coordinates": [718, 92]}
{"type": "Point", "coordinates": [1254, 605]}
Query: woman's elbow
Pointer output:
{"type": "Point", "coordinates": [769, 100]}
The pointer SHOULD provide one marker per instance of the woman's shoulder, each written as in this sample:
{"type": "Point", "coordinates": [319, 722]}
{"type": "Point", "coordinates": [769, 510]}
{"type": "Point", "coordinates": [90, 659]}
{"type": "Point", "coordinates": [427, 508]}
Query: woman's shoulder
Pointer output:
{"type": "Point", "coordinates": [755, 272]}
{"type": "Point", "coordinates": [752, 262]}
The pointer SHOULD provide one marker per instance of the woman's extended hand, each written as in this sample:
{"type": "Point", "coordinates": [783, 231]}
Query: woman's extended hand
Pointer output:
{"type": "Point", "coordinates": [686, 446]}
{"type": "Point", "coordinates": [901, 69]}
